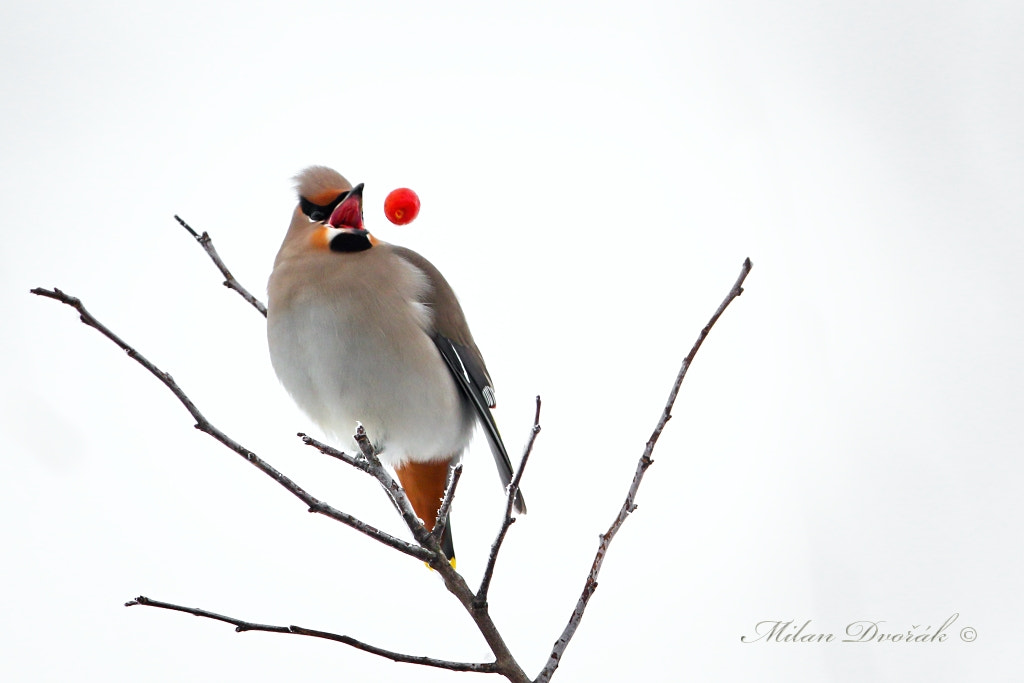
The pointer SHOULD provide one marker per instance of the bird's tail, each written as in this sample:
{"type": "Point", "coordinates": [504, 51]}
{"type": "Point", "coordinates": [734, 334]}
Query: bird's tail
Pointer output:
{"type": "Point", "coordinates": [446, 541]}
{"type": "Point", "coordinates": [425, 484]}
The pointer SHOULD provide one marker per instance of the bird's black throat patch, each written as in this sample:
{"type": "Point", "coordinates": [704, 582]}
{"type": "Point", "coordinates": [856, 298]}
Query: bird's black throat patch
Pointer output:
{"type": "Point", "coordinates": [348, 242]}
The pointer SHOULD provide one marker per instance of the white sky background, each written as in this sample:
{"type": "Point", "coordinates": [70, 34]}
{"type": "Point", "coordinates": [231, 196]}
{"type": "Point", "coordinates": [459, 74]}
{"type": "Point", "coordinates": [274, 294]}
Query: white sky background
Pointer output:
{"type": "Point", "coordinates": [847, 445]}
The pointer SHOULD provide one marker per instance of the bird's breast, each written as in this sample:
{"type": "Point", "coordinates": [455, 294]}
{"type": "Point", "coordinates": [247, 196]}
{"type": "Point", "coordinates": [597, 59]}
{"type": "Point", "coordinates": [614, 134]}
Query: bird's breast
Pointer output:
{"type": "Point", "coordinates": [350, 341]}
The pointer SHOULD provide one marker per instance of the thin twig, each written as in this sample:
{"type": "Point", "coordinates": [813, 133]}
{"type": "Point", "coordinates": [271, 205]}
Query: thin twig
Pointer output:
{"type": "Point", "coordinates": [364, 464]}
{"type": "Point", "coordinates": [505, 663]}
{"type": "Point", "coordinates": [446, 502]}
{"type": "Point", "coordinates": [513, 491]}
{"type": "Point", "coordinates": [204, 425]}
{"type": "Point", "coordinates": [628, 506]}
{"type": "Point", "coordinates": [374, 467]}
{"type": "Point", "coordinates": [327, 449]}
{"type": "Point", "coordinates": [360, 463]}
{"type": "Point", "coordinates": [229, 280]}
{"type": "Point", "coordinates": [242, 626]}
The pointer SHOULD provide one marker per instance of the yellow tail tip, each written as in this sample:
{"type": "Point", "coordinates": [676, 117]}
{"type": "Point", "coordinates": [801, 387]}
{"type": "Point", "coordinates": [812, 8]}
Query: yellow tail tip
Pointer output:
{"type": "Point", "coordinates": [451, 562]}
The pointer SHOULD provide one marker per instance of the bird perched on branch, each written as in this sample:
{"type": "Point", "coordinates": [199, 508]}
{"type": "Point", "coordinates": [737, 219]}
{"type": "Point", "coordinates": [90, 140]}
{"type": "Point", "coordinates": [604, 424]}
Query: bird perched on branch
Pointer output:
{"type": "Point", "coordinates": [364, 331]}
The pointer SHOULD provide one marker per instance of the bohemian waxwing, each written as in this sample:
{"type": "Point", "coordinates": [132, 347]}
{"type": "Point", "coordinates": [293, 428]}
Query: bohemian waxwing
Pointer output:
{"type": "Point", "coordinates": [364, 331]}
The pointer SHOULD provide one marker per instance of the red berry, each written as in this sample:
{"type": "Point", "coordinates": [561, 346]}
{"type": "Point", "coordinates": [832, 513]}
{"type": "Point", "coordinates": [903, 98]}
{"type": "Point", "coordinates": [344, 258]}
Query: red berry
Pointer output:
{"type": "Point", "coordinates": [401, 206]}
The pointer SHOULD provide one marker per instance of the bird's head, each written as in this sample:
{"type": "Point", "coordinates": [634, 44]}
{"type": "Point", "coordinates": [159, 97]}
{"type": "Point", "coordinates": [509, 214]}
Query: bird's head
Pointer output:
{"type": "Point", "coordinates": [333, 210]}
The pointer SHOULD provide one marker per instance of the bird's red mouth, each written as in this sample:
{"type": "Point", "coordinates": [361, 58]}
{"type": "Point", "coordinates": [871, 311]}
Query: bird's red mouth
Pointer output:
{"type": "Point", "coordinates": [349, 213]}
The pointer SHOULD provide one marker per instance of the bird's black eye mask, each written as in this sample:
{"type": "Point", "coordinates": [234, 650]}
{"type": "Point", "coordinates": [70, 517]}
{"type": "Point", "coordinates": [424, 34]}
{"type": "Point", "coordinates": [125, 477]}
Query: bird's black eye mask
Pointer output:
{"type": "Point", "coordinates": [317, 212]}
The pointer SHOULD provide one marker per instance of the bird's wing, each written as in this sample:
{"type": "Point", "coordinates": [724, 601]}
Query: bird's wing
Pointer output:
{"type": "Point", "coordinates": [453, 340]}
{"type": "Point", "coordinates": [467, 372]}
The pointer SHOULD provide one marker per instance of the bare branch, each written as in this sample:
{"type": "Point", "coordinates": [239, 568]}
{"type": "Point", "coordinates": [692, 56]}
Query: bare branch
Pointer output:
{"type": "Point", "coordinates": [513, 491]}
{"type": "Point", "coordinates": [204, 425]}
{"type": "Point", "coordinates": [206, 242]}
{"type": "Point", "coordinates": [369, 463]}
{"type": "Point", "coordinates": [446, 502]}
{"type": "Point", "coordinates": [374, 467]}
{"type": "Point", "coordinates": [242, 626]}
{"type": "Point", "coordinates": [360, 463]}
{"type": "Point", "coordinates": [333, 452]}
{"type": "Point", "coordinates": [428, 549]}
{"type": "Point", "coordinates": [505, 663]}
{"type": "Point", "coordinates": [628, 506]}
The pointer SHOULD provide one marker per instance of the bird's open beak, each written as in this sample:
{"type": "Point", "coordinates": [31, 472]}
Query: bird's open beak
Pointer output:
{"type": "Point", "coordinates": [349, 213]}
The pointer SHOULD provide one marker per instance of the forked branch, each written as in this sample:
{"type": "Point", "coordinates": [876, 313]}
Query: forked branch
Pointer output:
{"type": "Point", "coordinates": [428, 549]}
{"type": "Point", "coordinates": [628, 506]}
{"type": "Point", "coordinates": [513, 491]}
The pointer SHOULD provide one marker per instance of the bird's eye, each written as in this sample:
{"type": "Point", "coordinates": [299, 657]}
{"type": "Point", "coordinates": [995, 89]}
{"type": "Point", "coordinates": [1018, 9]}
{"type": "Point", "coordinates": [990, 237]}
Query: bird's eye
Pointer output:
{"type": "Point", "coordinates": [320, 212]}
{"type": "Point", "coordinates": [313, 211]}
